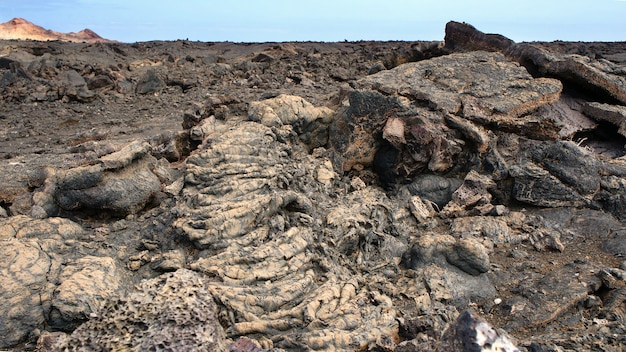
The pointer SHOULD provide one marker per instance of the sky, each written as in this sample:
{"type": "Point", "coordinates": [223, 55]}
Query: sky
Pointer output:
{"type": "Point", "coordinates": [324, 20]}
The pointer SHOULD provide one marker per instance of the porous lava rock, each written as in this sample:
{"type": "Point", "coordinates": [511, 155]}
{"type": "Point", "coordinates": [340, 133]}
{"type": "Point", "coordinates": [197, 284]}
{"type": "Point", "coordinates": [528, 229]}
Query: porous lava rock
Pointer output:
{"type": "Point", "coordinates": [171, 312]}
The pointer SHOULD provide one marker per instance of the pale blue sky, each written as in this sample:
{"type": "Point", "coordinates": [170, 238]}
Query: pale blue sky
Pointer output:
{"type": "Point", "coordinates": [324, 20]}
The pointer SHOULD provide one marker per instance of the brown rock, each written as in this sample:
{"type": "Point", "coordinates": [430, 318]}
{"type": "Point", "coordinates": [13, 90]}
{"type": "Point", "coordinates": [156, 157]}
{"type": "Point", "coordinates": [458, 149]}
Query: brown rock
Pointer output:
{"type": "Point", "coordinates": [86, 285]}
{"type": "Point", "coordinates": [543, 300]}
{"type": "Point", "coordinates": [465, 37]}
{"type": "Point", "coordinates": [498, 86]}
{"type": "Point", "coordinates": [584, 73]}
{"type": "Point", "coordinates": [24, 274]}
{"type": "Point", "coordinates": [613, 114]}
{"type": "Point", "coordinates": [19, 28]}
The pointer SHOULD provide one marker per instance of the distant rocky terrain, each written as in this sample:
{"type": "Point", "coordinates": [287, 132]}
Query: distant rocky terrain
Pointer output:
{"type": "Point", "coordinates": [21, 29]}
{"type": "Point", "coordinates": [463, 195]}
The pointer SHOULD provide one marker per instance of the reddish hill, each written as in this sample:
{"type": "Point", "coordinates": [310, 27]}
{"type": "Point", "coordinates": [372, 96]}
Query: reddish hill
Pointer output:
{"type": "Point", "coordinates": [19, 28]}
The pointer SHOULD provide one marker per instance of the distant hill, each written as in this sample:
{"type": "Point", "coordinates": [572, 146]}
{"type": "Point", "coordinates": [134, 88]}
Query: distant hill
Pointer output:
{"type": "Point", "coordinates": [19, 28]}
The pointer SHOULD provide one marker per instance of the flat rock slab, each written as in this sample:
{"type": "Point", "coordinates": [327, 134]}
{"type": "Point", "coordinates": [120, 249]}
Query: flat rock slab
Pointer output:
{"type": "Point", "coordinates": [613, 114]}
{"type": "Point", "coordinates": [502, 87]}
{"type": "Point", "coordinates": [544, 300]}
{"type": "Point", "coordinates": [586, 74]}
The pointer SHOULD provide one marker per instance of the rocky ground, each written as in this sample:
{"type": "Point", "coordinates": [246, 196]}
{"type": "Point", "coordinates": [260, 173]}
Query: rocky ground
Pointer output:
{"type": "Point", "coordinates": [371, 196]}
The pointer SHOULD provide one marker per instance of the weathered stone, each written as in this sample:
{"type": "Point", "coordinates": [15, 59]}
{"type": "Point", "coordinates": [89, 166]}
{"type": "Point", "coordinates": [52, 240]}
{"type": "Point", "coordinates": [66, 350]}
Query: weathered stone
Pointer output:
{"type": "Point", "coordinates": [169, 261]}
{"type": "Point", "coordinates": [537, 186]}
{"type": "Point", "coordinates": [173, 310]}
{"type": "Point", "coordinates": [559, 120]}
{"type": "Point", "coordinates": [495, 229]}
{"type": "Point", "coordinates": [100, 81]}
{"type": "Point", "coordinates": [474, 133]}
{"type": "Point", "coordinates": [124, 157]}
{"type": "Point", "coordinates": [464, 37]}
{"type": "Point", "coordinates": [471, 197]}
{"type": "Point", "coordinates": [291, 110]}
{"type": "Point", "coordinates": [464, 90]}
{"type": "Point", "coordinates": [52, 234]}
{"type": "Point", "coordinates": [500, 86]}
{"type": "Point", "coordinates": [244, 344]}
{"type": "Point", "coordinates": [204, 128]}
{"type": "Point", "coordinates": [297, 254]}
{"type": "Point", "coordinates": [85, 286]}
{"type": "Point", "coordinates": [394, 132]}
{"type": "Point", "coordinates": [123, 183]}
{"type": "Point", "coordinates": [24, 270]}
{"type": "Point", "coordinates": [352, 133]}
{"type": "Point", "coordinates": [613, 114]}
{"type": "Point", "coordinates": [543, 300]}
{"type": "Point", "coordinates": [595, 76]}
{"type": "Point", "coordinates": [471, 332]}
{"type": "Point", "coordinates": [470, 256]}
{"type": "Point", "coordinates": [75, 87]}
{"type": "Point", "coordinates": [259, 241]}
{"type": "Point", "coordinates": [455, 287]}
{"type": "Point", "coordinates": [560, 174]}
{"type": "Point", "coordinates": [466, 254]}
{"type": "Point", "coordinates": [421, 210]}
{"type": "Point", "coordinates": [40, 292]}
{"type": "Point", "coordinates": [124, 192]}
{"type": "Point", "coordinates": [365, 221]}
{"type": "Point", "coordinates": [435, 189]}
{"type": "Point", "coordinates": [234, 178]}
{"type": "Point", "coordinates": [150, 82]}
{"type": "Point", "coordinates": [615, 243]}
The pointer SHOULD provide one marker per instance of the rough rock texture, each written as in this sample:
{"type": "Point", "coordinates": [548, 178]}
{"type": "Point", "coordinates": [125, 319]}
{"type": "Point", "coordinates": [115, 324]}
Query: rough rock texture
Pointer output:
{"type": "Point", "coordinates": [310, 122]}
{"type": "Point", "coordinates": [613, 114]}
{"type": "Point", "coordinates": [314, 196]}
{"type": "Point", "coordinates": [41, 287]}
{"type": "Point", "coordinates": [24, 275]}
{"type": "Point", "coordinates": [601, 76]}
{"type": "Point", "coordinates": [121, 182]}
{"type": "Point", "coordinates": [172, 312]}
{"type": "Point", "coordinates": [472, 333]}
{"type": "Point", "coordinates": [450, 83]}
{"type": "Point", "coordinates": [247, 207]}
{"type": "Point", "coordinates": [452, 96]}
{"type": "Point", "coordinates": [86, 285]}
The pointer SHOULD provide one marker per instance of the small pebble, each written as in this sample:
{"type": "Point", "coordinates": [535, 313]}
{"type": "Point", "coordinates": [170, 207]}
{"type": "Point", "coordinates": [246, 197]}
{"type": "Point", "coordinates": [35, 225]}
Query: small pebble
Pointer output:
{"type": "Point", "coordinates": [497, 301]}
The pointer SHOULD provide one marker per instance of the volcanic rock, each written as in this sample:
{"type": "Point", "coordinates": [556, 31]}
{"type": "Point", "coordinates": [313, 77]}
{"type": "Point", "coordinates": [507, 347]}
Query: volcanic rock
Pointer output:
{"type": "Point", "coordinates": [86, 285]}
{"type": "Point", "coordinates": [613, 114]}
{"type": "Point", "coordinates": [472, 333]}
{"type": "Point", "coordinates": [312, 196]}
{"type": "Point", "coordinates": [600, 77]}
{"type": "Point", "coordinates": [479, 87]}
{"type": "Point", "coordinates": [249, 209]}
{"type": "Point", "coordinates": [24, 273]}
{"type": "Point", "coordinates": [21, 29]}
{"type": "Point", "coordinates": [310, 122]}
{"type": "Point", "coordinates": [171, 311]}
{"type": "Point", "coordinates": [465, 37]}
{"type": "Point", "coordinates": [122, 183]}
